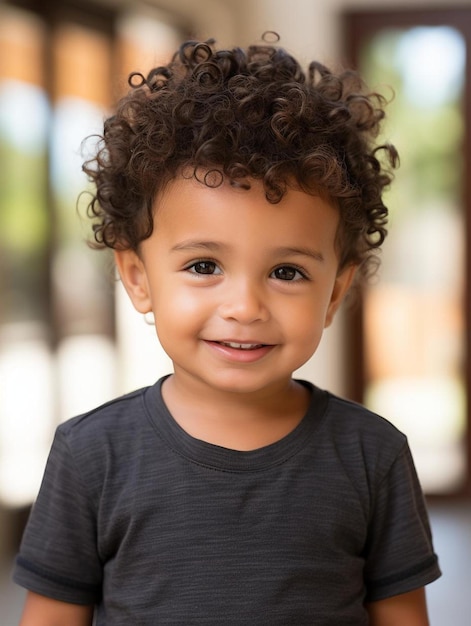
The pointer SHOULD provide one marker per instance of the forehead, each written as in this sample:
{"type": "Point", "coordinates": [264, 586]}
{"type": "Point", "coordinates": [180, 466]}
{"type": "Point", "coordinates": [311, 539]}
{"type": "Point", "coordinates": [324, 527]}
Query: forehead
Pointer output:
{"type": "Point", "coordinates": [239, 217]}
{"type": "Point", "coordinates": [188, 203]}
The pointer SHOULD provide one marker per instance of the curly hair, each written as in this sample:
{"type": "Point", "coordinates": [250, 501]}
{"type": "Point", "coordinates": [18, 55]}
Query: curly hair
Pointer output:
{"type": "Point", "coordinates": [238, 115]}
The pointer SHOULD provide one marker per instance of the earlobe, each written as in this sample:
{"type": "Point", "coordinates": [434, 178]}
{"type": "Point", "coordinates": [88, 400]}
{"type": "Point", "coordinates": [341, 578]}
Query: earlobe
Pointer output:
{"type": "Point", "coordinates": [134, 278]}
{"type": "Point", "coordinates": [342, 284]}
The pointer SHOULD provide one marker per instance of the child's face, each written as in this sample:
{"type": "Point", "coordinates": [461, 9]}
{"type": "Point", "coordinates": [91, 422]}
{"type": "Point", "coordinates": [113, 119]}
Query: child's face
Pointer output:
{"type": "Point", "coordinates": [241, 289]}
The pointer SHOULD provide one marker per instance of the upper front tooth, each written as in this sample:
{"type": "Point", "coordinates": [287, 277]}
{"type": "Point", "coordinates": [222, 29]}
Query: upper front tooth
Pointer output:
{"type": "Point", "coordinates": [241, 346]}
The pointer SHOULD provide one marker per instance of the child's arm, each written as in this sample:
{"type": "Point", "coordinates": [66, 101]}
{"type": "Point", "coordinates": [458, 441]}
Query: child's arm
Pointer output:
{"type": "Point", "coordinates": [407, 609]}
{"type": "Point", "coordinates": [42, 611]}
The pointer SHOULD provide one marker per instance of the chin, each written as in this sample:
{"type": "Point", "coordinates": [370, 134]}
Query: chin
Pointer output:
{"type": "Point", "coordinates": [248, 383]}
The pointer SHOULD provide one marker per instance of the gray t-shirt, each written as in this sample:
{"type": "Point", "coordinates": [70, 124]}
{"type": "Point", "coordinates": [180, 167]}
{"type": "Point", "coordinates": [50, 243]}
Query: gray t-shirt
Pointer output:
{"type": "Point", "coordinates": [156, 527]}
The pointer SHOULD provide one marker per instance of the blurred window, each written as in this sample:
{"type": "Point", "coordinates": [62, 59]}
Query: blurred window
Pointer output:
{"type": "Point", "coordinates": [414, 322]}
{"type": "Point", "coordinates": [61, 66]}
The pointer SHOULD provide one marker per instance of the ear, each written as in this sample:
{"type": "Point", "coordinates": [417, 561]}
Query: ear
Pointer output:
{"type": "Point", "coordinates": [341, 286]}
{"type": "Point", "coordinates": [134, 278]}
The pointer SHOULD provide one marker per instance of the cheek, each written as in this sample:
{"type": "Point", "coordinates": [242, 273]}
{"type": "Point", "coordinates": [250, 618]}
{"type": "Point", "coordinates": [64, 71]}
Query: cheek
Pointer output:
{"type": "Point", "coordinates": [307, 317]}
{"type": "Point", "coordinates": [304, 340]}
{"type": "Point", "coordinates": [177, 307]}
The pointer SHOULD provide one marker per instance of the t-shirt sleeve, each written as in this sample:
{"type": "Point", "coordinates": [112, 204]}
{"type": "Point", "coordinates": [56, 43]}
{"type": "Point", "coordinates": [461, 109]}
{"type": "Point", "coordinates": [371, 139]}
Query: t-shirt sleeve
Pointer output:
{"type": "Point", "coordinates": [399, 554]}
{"type": "Point", "coordinates": [58, 554]}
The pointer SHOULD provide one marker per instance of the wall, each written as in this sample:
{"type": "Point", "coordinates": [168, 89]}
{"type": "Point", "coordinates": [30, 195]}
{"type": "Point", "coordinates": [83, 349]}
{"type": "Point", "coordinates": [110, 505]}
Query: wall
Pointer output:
{"type": "Point", "coordinates": [307, 27]}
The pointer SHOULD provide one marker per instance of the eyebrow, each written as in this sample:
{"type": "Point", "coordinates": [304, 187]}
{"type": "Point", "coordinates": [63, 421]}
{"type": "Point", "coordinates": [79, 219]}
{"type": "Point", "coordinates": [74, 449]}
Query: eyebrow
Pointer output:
{"type": "Point", "coordinates": [300, 251]}
{"type": "Point", "coordinates": [191, 244]}
{"type": "Point", "coordinates": [283, 251]}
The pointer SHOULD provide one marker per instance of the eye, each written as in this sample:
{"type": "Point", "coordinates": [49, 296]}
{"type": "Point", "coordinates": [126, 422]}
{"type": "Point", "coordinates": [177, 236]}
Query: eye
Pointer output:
{"type": "Point", "coordinates": [204, 267]}
{"type": "Point", "coordinates": [288, 272]}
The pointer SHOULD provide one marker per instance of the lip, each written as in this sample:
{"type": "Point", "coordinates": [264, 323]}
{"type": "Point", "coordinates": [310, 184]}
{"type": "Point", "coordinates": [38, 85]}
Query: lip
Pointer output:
{"type": "Point", "coordinates": [239, 351]}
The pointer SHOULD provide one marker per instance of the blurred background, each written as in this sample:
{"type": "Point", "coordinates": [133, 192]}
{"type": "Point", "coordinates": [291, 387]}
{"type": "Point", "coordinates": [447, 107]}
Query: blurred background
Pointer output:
{"type": "Point", "coordinates": [70, 340]}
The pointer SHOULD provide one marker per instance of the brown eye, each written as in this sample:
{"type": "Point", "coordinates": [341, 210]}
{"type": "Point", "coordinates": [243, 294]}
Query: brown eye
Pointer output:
{"type": "Point", "coordinates": [204, 267]}
{"type": "Point", "coordinates": [287, 272]}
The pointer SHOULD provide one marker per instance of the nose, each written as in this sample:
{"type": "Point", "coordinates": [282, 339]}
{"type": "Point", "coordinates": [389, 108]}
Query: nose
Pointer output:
{"type": "Point", "coordinates": [244, 301]}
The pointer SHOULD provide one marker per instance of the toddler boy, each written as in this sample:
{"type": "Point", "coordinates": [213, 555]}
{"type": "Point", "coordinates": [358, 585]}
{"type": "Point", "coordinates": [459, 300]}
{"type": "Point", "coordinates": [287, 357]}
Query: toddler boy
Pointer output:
{"type": "Point", "coordinates": [242, 196]}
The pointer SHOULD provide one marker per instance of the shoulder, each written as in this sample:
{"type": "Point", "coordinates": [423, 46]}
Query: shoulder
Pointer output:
{"type": "Point", "coordinates": [346, 418]}
{"type": "Point", "coordinates": [116, 429]}
{"type": "Point", "coordinates": [115, 407]}
{"type": "Point", "coordinates": [102, 446]}
{"type": "Point", "coordinates": [378, 443]}
{"type": "Point", "coordinates": [115, 415]}
{"type": "Point", "coordinates": [351, 417]}
{"type": "Point", "coordinates": [359, 442]}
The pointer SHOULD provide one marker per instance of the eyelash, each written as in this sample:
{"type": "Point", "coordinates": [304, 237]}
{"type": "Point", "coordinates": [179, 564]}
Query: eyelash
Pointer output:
{"type": "Point", "coordinates": [297, 270]}
{"type": "Point", "coordinates": [209, 262]}
{"type": "Point", "coordinates": [191, 268]}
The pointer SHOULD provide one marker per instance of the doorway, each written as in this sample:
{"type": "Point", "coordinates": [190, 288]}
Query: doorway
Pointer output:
{"type": "Point", "coordinates": [410, 336]}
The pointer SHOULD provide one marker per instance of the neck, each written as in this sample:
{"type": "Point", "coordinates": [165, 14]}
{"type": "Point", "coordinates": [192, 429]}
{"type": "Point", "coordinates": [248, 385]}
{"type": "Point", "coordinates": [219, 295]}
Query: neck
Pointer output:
{"type": "Point", "coordinates": [243, 421]}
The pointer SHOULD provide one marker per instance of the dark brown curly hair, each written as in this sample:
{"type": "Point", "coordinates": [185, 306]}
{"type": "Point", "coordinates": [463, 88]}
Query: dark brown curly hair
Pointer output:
{"type": "Point", "coordinates": [237, 115]}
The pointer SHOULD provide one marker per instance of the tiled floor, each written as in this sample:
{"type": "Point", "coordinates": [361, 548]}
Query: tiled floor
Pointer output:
{"type": "Point", "coordinates": [449, 598]}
